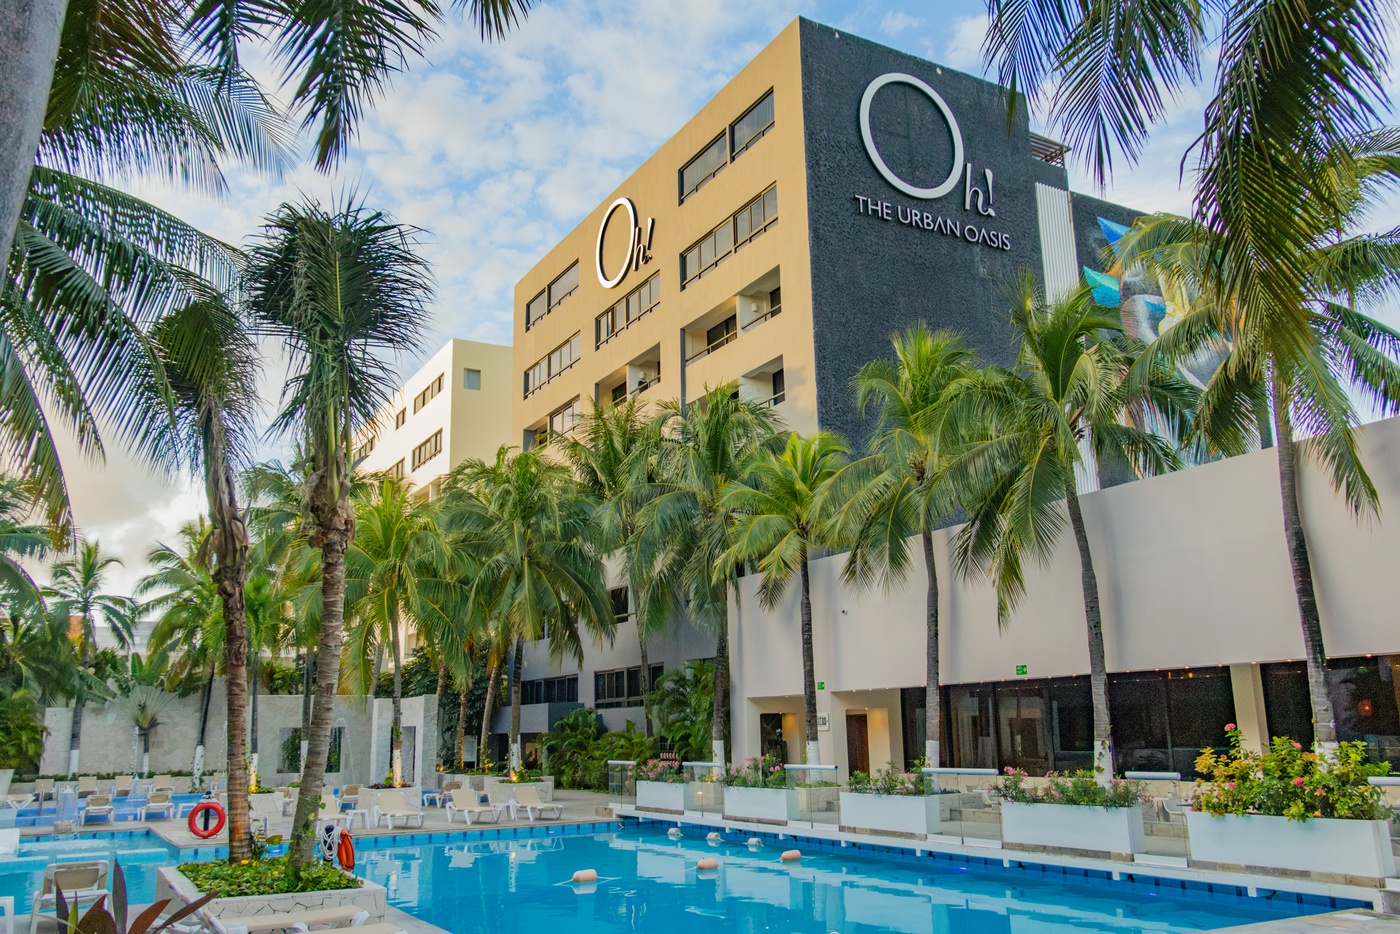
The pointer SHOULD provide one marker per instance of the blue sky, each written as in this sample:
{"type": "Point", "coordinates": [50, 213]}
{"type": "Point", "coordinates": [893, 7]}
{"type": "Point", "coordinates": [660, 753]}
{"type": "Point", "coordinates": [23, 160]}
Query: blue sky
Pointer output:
{"type": "Point", "coordinates": [498, 150]}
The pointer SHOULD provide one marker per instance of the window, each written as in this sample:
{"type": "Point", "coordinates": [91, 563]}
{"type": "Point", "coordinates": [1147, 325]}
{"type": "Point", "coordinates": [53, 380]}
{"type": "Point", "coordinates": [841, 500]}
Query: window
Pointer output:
{"type": "Point", "coordinates": [752, 126]}
{"type": "Point", "coordinates": [706, 165]}
{"type": "Point", "coordinates": [619, 392]}
{"type": "Point", "coordinates": [289, 749]}
{"type": "Point", "coordinates": [364, 450]}
{"type": "Point", "coordinates": [396, 471]}
{"type": "Point", "coordinates": [550, 690]}
{"type": "Point", "coordinates": [622, 687]}
{"type": "Point", "coordinates": [427, 450]}
{"type": "Point", "coordinates": [630, 308]}
{"type": "Point", "coordinates": [400, 418]}
{"type": "Point", "coordinates": [619, 603]}
{"type": "Point", "coordinates": [555, 362]}
{"type": "Point", "coordinates": [535, 309]}
{"type": "Point", "coordinates": [779, 388]}
{"type": "Point", "coordinates": [428, 394]}
{"type": "Point", "coordinates": [564, 286]}
{"type": "Point", "coordinates": [471, 379]}
{"type": "Point", "coordinates": [563, 419]}
{"type": "Point", "coordinates": [716, 246]}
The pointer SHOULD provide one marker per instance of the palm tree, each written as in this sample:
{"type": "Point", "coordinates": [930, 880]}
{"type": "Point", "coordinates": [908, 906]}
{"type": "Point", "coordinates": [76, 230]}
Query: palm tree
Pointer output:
{"type": "Point", "coordinates": [902, 488]}
{"type": "Point", "coordinates": [338, 288]}
{"type": "Point", "coordinates": [684, 529]}
{"type": "Point", "coordinates": [612, 453]}
{"type": "Point", "coordinates": [1069, 389]}
{"type": "Point", "coordinates": [538, 570]}
{"type": "Point", "coordinates": [1259, 380]}
{"type": "Point", "coordinates": [77, 591]}
{"type": "Point", "coordinates": [400, 571]}
{"type": "Point", "coordinates": [683, 703]}
{"type": "Point", "coordinates": [785, 511]}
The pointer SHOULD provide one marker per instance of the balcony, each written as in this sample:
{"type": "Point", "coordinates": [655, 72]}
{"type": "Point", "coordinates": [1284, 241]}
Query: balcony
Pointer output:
{"type": "Point", "coordinates": [640, 374]}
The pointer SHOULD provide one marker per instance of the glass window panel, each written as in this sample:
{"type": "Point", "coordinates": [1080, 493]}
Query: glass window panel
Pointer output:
{"type": "Point", "coordinates": [535, 309]}
{"type": "Point", "coordinates": [633, 305]}
{"type": "Point", "coordinates": [1022, 727]}
{"type": "Point", "coordinates": [562, 287]}
{"type": "Point", "coordinates": [724, 240]}
{"type": "Point", "coordinates": [703, 167]}
{"type": "Point", "coordinates": [742, 227]}
{"type": "Point", "coordinates": [753, 123]}
{"type": "Point", "coordinates": [472, 379]}
{"type": "Point", "coordinates": [770, 203]}
{"type": "Point", "coordinates": [707, 253]}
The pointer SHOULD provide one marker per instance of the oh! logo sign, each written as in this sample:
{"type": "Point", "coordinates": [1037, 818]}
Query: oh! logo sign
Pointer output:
{"type": "Point", "coordinates": [638, 245]}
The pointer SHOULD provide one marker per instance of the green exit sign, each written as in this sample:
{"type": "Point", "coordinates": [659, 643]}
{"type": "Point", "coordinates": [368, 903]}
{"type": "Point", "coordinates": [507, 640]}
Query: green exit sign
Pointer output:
{"type": "Point", "coordinates": [821, 685]}
{"type": "Point", "coordinates": [1023, 669]}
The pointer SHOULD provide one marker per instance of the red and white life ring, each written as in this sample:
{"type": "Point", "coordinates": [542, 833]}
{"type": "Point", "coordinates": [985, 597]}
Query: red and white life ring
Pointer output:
{"type": "Point", "coordinates": [345, 851]}
{"type": "Point", "coordinates": [206, 831]}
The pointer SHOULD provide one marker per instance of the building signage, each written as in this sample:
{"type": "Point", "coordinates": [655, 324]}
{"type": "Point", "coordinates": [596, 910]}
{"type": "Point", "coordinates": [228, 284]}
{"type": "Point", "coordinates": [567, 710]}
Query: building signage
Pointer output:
{"type": "Point", "coordinates": [976, 187]}
{"type": "Point", "coordinates": [638, 245]}
{"type": "Point", "coordinates": [1023, 669]}
{"type": "Point", "coordinates": [823, 722]}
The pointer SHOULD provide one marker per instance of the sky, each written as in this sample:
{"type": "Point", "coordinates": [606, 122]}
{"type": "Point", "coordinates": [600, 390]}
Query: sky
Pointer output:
{"type": "Point", "coordinates": [498, 150]}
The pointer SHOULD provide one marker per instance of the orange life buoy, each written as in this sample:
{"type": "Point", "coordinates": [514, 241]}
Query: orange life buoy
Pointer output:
{"type": "Point", "coordinates": [205, 832]}
{"type": "Point", "coordinates": [345, 851]}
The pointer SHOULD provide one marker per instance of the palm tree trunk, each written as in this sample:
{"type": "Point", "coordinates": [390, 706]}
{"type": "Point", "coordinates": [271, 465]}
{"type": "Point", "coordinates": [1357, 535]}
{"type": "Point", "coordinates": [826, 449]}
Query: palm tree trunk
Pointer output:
{"type": "Point", "coordinates": [646, 664]}
{"type": "Point", "coordinates": [204, 701]}
{"type": "Point", "coordinates": [308, 681]}
{"type": "Point", "coordinates": [29, 36]}
{"type": "Point", "coordinates": [717, 718]}
{"type": "Point", "coordinates": [256, 665]}
{"type": "Point", "coordinates": [1324, 718]}
{"type": "Point", "coordinates": [1093, 618]}
{"type": "Point", "coordinates": [933, 697]}
{"type": "Point", "coordinates": [493, 688]}
{"type": "Point", "coordinates": [378, 670]}
{"type": "Point", "coordinates": [396, 729]}
{"type": "Point", "coordinates": [809, 670]}
{"type": "Point", "coordinates": [517, 668]}
{"type": "Point", "coordinates": [334, 541]}
{"type": "Point", "coordinates": [75, 733]}
{"type": "Point", "coordinates": [459, 745]}
{"type": "Point", "coordinates": [441, 693]}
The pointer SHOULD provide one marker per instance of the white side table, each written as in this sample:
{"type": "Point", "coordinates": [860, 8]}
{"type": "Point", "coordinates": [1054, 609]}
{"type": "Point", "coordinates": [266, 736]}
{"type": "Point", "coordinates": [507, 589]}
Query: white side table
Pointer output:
{"type": "Point", "coordinates": [7, 905]}
{"type": "Point", "coordinates": [352, 813]}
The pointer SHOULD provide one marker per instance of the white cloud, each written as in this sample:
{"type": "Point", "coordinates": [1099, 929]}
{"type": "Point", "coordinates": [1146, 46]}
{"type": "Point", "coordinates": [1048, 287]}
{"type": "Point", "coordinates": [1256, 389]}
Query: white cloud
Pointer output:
{"type": "Point", "coordinates": [963, 49]}
{"type": "Point", "coordinates": [897, 22]}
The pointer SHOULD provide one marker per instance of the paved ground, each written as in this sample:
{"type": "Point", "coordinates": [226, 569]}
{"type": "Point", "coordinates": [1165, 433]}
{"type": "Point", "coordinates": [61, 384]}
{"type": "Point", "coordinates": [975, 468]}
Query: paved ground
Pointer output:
{"type": "Point", "coordinates": [1334, 922]}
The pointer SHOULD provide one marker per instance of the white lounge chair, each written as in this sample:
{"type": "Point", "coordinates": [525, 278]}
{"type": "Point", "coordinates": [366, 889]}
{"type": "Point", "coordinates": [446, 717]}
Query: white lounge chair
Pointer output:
{"type": "Point", "coordinates": [330, 811]}
{"type": "Point", "coordinates": [99, 806]}
{"type": "Point", "coordinates": [529, 799]}
{"type": "Point", "coordinates": [87, 785]}
{"type": "Point", "coordinates": [499, 799]}
{"type": "Point", "coordinates": [43, 788]}
{"type": "Point", "coordinates": [466, 802]}
{"type": "Point", "coordinates": [17, 802]}
{"type": "Point", "coordinates": [160, 802]}
{"type": "Point", "coordinates": [82, 884]}
{"type": "Point", "coordinates": [350, 794]}
{"type": "Point", "coordinates": [163, 783]}
{"type": "Point", "coordinates": [392, 804]}
{"type": "Point", "coordinates": [265, 808]}
{"type": "Point", "coordinates": [439, 796]}
{"type": "Point", "coordinates": [121, 787]}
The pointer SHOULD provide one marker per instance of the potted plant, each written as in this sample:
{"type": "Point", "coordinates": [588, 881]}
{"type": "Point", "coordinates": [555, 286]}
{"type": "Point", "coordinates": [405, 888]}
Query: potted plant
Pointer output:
{"type": "Point", "coordinates": [758, 791]}
{"type": "Point", "coordinates": [893, 802]}
{"type": "Point", "coordinates": [1291, 808]}
{"type": "Point", "coordinates": [660, 787]}
{"type": "Point", "coordinates": [1072, 812]}
{"type": "Point", "coordinates": [21, 736]}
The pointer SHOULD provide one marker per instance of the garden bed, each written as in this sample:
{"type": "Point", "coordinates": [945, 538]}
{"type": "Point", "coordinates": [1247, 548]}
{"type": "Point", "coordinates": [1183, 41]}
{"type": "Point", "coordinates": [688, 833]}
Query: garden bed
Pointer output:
{"type": "Point", "coordinates": [1358, 849]}
{"type": "Point", "coordinates": [261, 890]}
{"type": "Point", "coordinates": [1117, 831]}
{"type": "Point", "coordinates": [915, 816]}
{"type": "Point", "coordinates": [760, 805]}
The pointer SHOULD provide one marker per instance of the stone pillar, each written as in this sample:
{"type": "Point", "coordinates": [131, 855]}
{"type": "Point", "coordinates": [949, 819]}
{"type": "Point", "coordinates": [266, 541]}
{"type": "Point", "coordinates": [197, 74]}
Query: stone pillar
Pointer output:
{"type": "Point", "coordinates": [1248, 687]}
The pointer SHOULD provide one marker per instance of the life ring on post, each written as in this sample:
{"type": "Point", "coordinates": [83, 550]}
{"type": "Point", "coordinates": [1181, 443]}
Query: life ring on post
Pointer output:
{"type": "Point", "coordinates": [199, 823]}
{"type": "Point", "coordinates": [345, 851]}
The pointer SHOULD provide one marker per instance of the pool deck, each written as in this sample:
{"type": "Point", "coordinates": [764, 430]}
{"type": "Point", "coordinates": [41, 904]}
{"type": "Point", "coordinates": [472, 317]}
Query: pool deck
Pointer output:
{"type": "Point", "coordinates": [1354, 920]}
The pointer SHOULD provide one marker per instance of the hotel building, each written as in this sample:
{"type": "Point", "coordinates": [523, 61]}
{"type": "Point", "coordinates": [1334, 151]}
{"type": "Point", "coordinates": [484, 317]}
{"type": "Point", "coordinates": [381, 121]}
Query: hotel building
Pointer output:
{"type": "Point", "coordinates": [830, 194]}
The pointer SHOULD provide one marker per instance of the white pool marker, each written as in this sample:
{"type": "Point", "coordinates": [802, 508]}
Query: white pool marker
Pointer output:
{"type": "Point", "coordinates": [791, 855]}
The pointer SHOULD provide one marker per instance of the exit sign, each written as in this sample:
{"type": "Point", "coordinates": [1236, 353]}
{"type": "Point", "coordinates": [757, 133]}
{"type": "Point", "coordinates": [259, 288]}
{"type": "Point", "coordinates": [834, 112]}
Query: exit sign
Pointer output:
{"type": "Point", "coordinates": [1023, 669]}
{"type": "Point", "coordinates": [821, 685]}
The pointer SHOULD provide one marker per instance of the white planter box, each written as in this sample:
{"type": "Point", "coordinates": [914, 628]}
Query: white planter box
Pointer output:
{"type": "Point", "coordinates": [1073, 827]}
{"type": "Point", "coordinates": [171, 883]}
{"type": "Point", "coordinates": [908, 815]}
{"type": "Point", "coordinates": [1322, 845]}
{"type": "Point", "coordinates": [661, 796]}
{"type": "Point", "coordinates": [763, 805]}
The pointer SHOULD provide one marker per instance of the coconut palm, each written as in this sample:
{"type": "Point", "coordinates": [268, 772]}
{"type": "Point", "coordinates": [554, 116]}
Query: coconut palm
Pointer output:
{"type": "Point", "coordinates": [684, 529]}
{"type": "Point", "coordinates": [538, 570]}
{"type": "Point", "coordinates": [1068, 391]}
{"type": "Point", "coordinates": [902, 489]}
{"type": "Point", "coordinates": [36, 655]}
{"type": "Point", "coordinates": [786, 510]}
{"type": "Point", "coordinates": [339, 288]}
{"type": "Point", "coordinates": [400, 572]}
{"type": "Point", "coordinates": [77, 591]}
{"type": "Point", "coordinates": [612, 452]}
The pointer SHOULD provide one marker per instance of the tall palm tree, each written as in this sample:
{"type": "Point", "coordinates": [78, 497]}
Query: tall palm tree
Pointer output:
{"type": "Point", "coordinates": [77, 591]}
{"type": "Point", "coordinates": [400, 572]}
{"type": "Point", "coordinates": [1069, 388]}
{"type": "Point", "coordinates": [786, 510]}
{"type": "Point", "coordinates": [338, 288]}
{"type": "Point", "coordinates": [684, 530]}
{"type": "Point", "coordinates": [538, 568]}
{"type": "Point", "coordinates": [902, 488]}
{"type": "Point", "coordinates": [1261, 379]}
{"type": "Point", "coordinates": [612, 453]}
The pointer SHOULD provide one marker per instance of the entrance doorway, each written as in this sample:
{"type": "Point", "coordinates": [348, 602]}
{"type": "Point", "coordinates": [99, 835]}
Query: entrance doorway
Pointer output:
{"type": "Point", "coordinates": [857, 743]}
{"type": "Point", "coordinates": [770, 733]}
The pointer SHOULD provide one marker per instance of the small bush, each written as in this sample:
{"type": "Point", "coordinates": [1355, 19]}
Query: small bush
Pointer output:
{"type": "Point", "coordinates": [1080, 788]}
{"type": "Point", "coordinates": [265, 877]}
{"type": "Point", "coordinates": [763, 772]}
{"type": "Point", "coordinates": [657, 770]}
{"type": "Point", "coordinates": [888, 781]}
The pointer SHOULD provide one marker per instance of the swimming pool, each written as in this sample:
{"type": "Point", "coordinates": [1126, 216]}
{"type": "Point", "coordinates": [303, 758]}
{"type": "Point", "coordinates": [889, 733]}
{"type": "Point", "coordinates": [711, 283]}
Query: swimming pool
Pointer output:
{"type": "Point", "coordinates": [649, 883]}
{"type": "Point", "coordinates": [141, 853]}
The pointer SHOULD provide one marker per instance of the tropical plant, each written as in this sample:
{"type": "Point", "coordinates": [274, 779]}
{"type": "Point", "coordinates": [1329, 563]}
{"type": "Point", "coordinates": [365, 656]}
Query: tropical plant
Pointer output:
{"type": "Point", "coordinates": [684, 530]}
{"type": "Point", "coordinates": [1084, 787]}
{"type": "Point", "coordinates": [759, 772]}
{"type": "Point", "coordinates": [784, 512]}
{"type": "Point", "coordinates": [529, 534]}
{"type": "Point", "coordinates": [683, 704]}
{"type": "Point", "coordinates": [1068, 393]}
{"type": "Point", "coordinates": [22, 731]}
{"type": "Point", "coordinates": [143, 703]}
{"type": "Point", "coordinates": [902, 488]}
{"type": "Point", "coordinates": [572, 752]}
{"type": "Point", "coordinates": [339, 288]}
{"type": "Point", "coordinates": [36, 655]}
{"type": "Point", "coordinates": [77, 591]}
{"type": "Point", "coordinates": [891, 780]}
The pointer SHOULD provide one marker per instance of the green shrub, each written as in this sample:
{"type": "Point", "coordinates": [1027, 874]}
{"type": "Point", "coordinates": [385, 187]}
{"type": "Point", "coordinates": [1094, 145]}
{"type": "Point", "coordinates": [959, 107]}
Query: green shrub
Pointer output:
{"type": "Point", "coordinates": [21, 732]}
{"type": "Point", "coordinates": [1080, 788]}
{"type": "Point", "coordinates": [763, 772]}
{"type": "Point", "coordinates": [655, 770]}
{"type": "Point", "coordinates": [888, 781]}
{"type": "Point", "coordinates": [1289, 781]}
{"type": "Point", "coordinates": [265, 877]}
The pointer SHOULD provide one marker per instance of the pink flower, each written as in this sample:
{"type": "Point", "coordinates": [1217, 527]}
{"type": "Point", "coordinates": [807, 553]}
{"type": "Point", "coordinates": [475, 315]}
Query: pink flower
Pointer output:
{"type": "Point", "coordinates": [1009, 770]}
{"type": "Point", "coordinates": [1298, 782]}
{"type": "Point", "coordinates": [1297, 745]}
{"type": "Point", "coordinates": [1229, 727]}
{"type": "Point", "coordinates": [1230, 785]}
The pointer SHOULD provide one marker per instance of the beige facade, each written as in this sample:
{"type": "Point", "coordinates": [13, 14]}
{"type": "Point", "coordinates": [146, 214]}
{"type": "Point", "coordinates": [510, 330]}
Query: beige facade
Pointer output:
{"type": "Point", "coordinates": [651, 350]}
{"type": "Point", "coordinates": [455, 407]}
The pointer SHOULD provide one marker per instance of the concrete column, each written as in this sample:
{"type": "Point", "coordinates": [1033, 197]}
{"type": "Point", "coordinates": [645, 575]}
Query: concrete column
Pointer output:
{"type": "Point", "coordinates": [1250, 716]}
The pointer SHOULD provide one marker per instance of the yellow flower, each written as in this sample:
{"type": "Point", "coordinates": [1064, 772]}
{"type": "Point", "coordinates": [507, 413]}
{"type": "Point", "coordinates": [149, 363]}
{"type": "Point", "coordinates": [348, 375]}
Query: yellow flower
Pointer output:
{"type": "Point", "coordinates": [243, 862]}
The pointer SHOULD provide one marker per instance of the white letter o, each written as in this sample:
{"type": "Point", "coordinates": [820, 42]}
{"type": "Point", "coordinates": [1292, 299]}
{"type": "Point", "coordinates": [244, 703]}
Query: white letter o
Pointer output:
{"type": "Point", "coordinates": [603, 278]}
{"type": "Point", "coordinates": [874, 153]}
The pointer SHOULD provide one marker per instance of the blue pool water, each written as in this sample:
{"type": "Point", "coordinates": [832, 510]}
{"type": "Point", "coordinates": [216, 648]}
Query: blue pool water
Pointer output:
{"type": "Point", "coordinates": [141, 853]}
{"type": "Point", "coordinates": [649, 883]}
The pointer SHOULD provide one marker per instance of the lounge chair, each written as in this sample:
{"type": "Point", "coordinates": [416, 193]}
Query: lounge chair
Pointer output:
{"type": "Point", "coordinates": [350, 795]}
{"type": "Point", "coordinates": [265, 808]}
{"type": "Point", "coordinates": [43, 788]}
{"type": "Point", "coordinates": [121, 788]}
{"type": "Point", "coordinates": [331, 812]}
{"type": "Point", "coordinates": [87, 785]}
{"type": "Point", "coordinates": [158, 801]}
{"type": "Point", "coordinates": [391, 805]}
{"type": "Point", "coordinates": [440, 796]}
{"type": "Point", "coordinates": [466, 802]}
{"type": "Point", "coordinates": [99, 806]}
{"type": "Point", "coordinates": [529, 799]}
{"type": "Point", "coordinates": [9, 841]}
{"type": "Point", "coordinates": [17, 802]}
{"type": "Point", "coordinates": [500, 799]}
{"type": "Point", "coordinates": [82, 884]}
{"type": "Point", "coordinates": [163, 783]}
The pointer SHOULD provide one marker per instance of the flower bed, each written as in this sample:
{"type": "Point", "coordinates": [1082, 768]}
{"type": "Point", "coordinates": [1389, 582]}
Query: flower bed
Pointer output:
{"type": "Point", "coordinates": [251, 899]}
{"type": "Point", "coordinates": [1072, 812]}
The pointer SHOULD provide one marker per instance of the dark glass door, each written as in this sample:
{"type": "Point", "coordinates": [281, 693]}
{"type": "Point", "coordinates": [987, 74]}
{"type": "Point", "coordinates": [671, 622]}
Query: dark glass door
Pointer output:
{"type": "Point", "coordinates": [857, 743]}
{"type": "Point", "coordinates": [1023, 727]}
